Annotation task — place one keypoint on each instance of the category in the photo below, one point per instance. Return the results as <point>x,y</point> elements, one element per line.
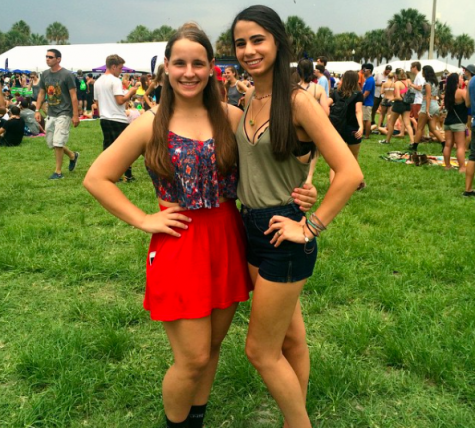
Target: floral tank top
<point>197,182</point>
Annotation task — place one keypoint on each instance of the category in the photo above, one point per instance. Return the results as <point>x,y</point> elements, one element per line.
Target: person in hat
<point>379,80</point>
<point>469,71</point>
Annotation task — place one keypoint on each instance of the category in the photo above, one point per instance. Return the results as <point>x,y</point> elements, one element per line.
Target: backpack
<point>409,97</point>
<point>82,85</point>
<point>338,110</point>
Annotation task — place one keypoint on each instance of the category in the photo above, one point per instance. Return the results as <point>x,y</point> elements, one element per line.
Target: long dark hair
<point>157,156</point>
<point>450,89</point>
<point>282,131</point>
<point>349,83</point>
<point>305,70</point>
<point>429,74</point>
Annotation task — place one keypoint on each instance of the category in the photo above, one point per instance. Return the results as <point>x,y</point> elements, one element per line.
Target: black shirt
<point>14,131</point>
<point>351,119</point>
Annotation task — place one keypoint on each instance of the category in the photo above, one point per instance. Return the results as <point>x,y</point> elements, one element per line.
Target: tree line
<point>20,35</point>
<point>407,34</point>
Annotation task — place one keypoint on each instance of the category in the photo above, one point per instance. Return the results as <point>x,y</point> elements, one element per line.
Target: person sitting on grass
<point>28,115</point>
<point>11,133</point>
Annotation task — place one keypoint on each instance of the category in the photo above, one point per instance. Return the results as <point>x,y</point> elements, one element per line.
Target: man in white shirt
<point>111,101</point>
<point>416,86</point>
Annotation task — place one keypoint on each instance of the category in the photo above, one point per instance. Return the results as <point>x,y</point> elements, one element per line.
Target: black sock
<point>183,424</point>
<point>196,416</point>
<point>414,146</point>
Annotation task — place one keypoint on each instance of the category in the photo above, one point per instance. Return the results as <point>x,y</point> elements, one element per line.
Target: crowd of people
<point>193,126</point>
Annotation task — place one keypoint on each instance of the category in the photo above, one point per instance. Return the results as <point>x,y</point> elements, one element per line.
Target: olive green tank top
<point>264,181</point>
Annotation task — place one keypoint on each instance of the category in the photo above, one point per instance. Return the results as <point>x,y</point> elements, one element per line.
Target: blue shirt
<point>323,81</point>
<point>369,85</point>
<point>471,90</point>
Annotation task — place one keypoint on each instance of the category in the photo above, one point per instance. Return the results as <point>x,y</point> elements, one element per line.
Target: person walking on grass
<point>58,84</point>
<point>429,109</point>
<point>196,263</point>
<point>112,102</point>
<point>455,102</point>
<point>277,135</point>
<point>399,108</point>
<point>470,171</point>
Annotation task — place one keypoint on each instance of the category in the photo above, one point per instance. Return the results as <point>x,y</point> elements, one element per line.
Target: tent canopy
<point>103,69</point>
<point>338,67</point>
<point>137,56</point>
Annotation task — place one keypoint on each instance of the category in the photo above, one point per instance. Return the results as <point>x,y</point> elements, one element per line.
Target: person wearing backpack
<point>346,114</point>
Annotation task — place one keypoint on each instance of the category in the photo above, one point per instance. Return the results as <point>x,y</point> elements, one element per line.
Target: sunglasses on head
<point>50,57</point>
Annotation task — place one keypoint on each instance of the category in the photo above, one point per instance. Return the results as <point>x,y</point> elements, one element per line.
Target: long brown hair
<point>282,131</point>
<point>157,156</point>
<point>349,83</point>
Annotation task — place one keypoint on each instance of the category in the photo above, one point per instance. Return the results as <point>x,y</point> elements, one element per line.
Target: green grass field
<point>390,309</point>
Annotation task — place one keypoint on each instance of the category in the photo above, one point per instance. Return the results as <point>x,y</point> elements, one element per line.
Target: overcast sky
<point>106,21</point>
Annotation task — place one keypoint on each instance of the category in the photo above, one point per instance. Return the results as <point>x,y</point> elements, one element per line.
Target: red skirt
<point>204,269</point>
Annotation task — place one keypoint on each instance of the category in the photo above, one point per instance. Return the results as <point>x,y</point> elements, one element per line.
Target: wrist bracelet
<point>319,221</point>
<point>306,238</point>
<point>317,234</point>
<point>315,226</point>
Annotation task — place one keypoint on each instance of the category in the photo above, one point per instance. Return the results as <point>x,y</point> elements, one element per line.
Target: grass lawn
<point>390,309</point>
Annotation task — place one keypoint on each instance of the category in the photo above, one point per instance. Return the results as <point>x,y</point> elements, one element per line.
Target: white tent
<point>438,66</point>
<point>137,56</point>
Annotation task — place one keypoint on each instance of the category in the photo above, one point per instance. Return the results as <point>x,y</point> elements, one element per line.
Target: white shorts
<point>57,131</point>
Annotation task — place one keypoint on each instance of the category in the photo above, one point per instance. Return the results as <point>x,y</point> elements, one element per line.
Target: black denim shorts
<point>289,262</point>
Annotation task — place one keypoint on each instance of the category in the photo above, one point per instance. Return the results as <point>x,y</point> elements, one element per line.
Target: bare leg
<point>434,130</point>
<point>220,322</point>
<point>449,142</point>
<point>460,141</point>
<point>407,122</point>
<point>391,122</point>
<point>58,154</point>
<point>273,307</point>
<point>295,350</point>
<point>190,341</point>
<point>469,173</point>
<point>421,123</point>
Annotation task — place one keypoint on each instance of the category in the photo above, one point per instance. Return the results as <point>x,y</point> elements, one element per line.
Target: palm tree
<point>375,46</point>
<point>224,44</point>
<point>408,32</point>
<point>57,33</point>
<point>38,39</point>
<point>443,39</point>
<point>139,34</point>
<point>162,34</point>
<point>322,43</point>
<point>15,38</point>
<point>22,27</point>
<point>463,47</point>
<point>345,43</point>
<point>300,34</point>
<point>2,43</point>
